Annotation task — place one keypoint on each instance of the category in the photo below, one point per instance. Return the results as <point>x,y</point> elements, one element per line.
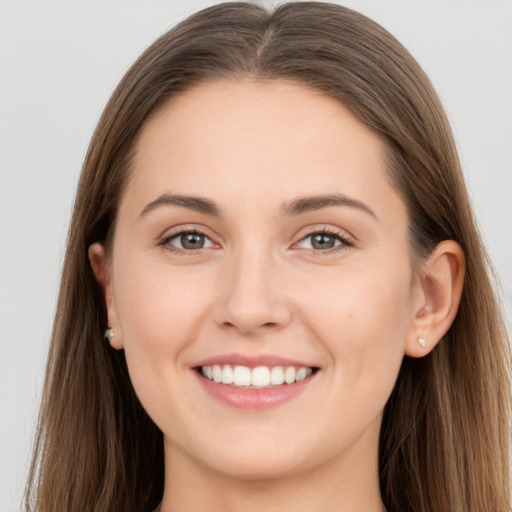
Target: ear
<point>102,272</point>
<point>437,294</point>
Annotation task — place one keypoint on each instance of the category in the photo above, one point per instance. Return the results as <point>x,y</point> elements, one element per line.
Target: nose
<point>252,294</point>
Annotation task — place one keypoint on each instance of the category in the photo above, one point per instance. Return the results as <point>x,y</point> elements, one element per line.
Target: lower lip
<point>254,399</point>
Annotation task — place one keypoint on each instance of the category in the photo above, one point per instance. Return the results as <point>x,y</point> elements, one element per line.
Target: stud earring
<point>422,342</point>
<point>109,334</point>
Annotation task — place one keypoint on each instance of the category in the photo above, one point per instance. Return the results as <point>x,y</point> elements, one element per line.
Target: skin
<point>258,286</point>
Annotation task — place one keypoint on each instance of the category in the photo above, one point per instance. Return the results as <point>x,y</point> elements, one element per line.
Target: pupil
<point>323,241</point>
<point>192,241</point>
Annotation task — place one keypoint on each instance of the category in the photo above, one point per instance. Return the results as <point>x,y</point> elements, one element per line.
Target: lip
<point>253,399</point>
<point>252,361</point>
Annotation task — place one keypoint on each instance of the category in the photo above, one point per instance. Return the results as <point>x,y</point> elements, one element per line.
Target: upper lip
<point>251,361</point>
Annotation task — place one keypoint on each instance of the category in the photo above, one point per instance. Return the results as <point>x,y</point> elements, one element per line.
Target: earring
<point>422,342</point>
<point>109,334</point>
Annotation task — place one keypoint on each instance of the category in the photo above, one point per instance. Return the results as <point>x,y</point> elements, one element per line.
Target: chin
<point>262,469</point>
<point>261,460</point>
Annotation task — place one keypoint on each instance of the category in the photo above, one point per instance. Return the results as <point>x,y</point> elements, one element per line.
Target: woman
<point>273,233</point>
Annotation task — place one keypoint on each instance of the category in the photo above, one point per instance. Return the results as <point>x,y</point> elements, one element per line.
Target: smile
<point>254,383</point>
<point>259,377</point>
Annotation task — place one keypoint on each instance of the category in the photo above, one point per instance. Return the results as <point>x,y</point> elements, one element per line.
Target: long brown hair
<point>444,442</point>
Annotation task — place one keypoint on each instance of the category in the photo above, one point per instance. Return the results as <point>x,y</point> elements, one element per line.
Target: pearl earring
<point>109,334</point>
<point>422,342</point>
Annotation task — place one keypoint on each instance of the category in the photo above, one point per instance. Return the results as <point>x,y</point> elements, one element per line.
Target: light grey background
<point>59,62</point>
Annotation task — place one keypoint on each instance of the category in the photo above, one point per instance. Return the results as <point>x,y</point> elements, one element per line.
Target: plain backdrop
<point>60,61</point>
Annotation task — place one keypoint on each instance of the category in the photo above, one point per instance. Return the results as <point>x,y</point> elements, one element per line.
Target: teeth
<point>259,377</point>
<point>276,376</point>
<point>227,374</point>
<point>289,375</point>
<point>217,373</point>
<point>242,376</point>
<point>302,373</point>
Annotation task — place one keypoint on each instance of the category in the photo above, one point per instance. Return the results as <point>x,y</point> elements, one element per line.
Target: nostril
<point>245,328</point>
<point>251,313</point>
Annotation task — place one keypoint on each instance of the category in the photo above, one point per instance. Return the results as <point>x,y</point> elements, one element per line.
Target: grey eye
<point>192,241</point>
<point>188,241</point>
<point>323,241</point>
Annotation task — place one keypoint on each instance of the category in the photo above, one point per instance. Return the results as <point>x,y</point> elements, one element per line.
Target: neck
<point>346,483</point>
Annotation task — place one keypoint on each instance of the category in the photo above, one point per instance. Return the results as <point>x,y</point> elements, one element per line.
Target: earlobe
<point>101,271</point>
<point>438,292</point>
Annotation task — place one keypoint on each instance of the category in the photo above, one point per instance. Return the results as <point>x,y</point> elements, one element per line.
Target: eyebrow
<point>311,203</point>
<point>197,204</point>
<point>294,208</point>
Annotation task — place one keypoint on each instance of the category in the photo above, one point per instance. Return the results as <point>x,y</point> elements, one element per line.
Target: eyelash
<point>344,244</point>
<point>165,242</point>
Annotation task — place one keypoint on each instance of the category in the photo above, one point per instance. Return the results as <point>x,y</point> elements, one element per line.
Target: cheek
<point>155,298</point>
<point>160,312</point>
<point>361,317</point>
<point>364,295</point>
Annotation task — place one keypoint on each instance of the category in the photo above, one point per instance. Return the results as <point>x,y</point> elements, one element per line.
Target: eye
<point>323,241</point>
<point>190,240</point>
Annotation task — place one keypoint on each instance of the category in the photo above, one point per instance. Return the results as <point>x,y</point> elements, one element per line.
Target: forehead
<point>278,139</point>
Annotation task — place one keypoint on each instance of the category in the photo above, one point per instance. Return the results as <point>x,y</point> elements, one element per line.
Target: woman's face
<point>259,233</point>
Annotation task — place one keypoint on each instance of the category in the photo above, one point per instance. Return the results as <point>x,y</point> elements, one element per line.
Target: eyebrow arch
<point>311,203</point>
<point>197,204</point>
